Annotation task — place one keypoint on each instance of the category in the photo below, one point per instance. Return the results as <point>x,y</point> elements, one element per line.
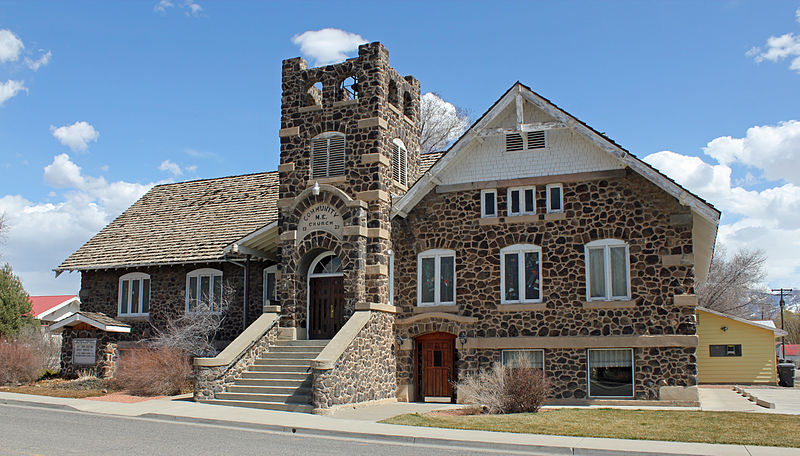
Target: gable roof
<point>99,320</point>
<point>180,223</point>
<point>773,329</point>
<point>43,305</point>
<point>515,94</point>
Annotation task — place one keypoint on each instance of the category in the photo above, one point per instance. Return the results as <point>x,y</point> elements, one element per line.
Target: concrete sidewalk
<point>187,411</point>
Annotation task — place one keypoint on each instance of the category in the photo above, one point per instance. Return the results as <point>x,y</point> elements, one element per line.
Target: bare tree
<point>733,282</point>
<point>791,323</point>
<point>193,333</point>
<point>442,123</point>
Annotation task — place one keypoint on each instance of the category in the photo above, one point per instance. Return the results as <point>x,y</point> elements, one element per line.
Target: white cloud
<point>190,7</point>
<point>10,88</point>
<point>40,62</point>
<point>42,234</point>
<point>328,45</point>
<point>773,148</point>
<point>780,48</point>
<point>797,14</point>
<point>768,218</point>
<point>10,46</point>
<point>170,167</point>
<point>76,136</point>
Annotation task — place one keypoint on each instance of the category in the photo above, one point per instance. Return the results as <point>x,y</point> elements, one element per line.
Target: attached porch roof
<point>96,319</point>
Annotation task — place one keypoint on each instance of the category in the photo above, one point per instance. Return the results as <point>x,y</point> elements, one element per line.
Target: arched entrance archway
<point>325,296</point>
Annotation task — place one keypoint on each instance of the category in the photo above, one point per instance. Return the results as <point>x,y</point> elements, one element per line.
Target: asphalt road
<point>29,431</point>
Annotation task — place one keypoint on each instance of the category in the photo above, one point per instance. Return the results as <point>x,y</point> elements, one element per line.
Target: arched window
<point>408,106</point>
<point>393,97</point>
<point>326,264</point>
<point>521,274</point>
<point>204,291</point>
<point>327,155</point>
<point>348,89</point>
<point>314,94</point>
<point>399,162</point>
<point>607,270</point>
<point>134,295</point>
<point>436,278</point>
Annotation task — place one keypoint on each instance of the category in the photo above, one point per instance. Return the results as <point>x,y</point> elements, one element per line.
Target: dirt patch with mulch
<point>121,396</point>
<point>59,387</point>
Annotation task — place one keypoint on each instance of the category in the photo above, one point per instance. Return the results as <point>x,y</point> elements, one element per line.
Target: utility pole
<point>782,303</point>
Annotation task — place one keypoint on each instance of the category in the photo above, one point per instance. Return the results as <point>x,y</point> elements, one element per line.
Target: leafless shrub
<point>154,372</point>
<point>506,389</point>
<point>193,333</point>
<point>733,281</point>
<point>442,123</point>
<point>24,357</point>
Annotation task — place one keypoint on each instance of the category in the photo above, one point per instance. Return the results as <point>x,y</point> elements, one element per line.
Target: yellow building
<point>734,350</point>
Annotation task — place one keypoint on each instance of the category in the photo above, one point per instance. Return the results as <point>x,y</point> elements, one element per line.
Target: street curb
<point>38,404</point>
<point>471,444</point>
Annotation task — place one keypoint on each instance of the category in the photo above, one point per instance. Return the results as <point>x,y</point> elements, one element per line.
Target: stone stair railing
<point>214,375</point>
<point>358,365</point>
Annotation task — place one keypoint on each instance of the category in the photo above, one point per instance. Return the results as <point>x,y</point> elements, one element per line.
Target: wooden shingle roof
<point>182,223</point>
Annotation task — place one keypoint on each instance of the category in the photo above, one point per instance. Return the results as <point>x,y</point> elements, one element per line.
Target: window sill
<point>427,309</point>
<point>524,218</point>
<point>528,306</point>
<point>133,317</point>
<point>609,304</point>
<point>400,186</point>
<point>395,109</point>
<point>327,180</point>
<point>310,108</point>
<point>338,104</point>
<point>489,221</point>
<point>554,216</point>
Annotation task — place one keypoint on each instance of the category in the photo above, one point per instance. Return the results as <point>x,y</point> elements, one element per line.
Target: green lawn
<point>681,426</point>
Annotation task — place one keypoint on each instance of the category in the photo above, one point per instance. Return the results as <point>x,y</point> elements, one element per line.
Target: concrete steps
<point>278,380</point>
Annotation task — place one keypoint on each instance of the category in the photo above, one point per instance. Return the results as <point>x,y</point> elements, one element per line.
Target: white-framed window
<point>134,295</point>
<point>521,200</point>
<point>555,198</point>
<point>204,286</point>
<point>532,358</point>
<point>489,203</point>
<point>271,286</point>
<point>610,372</point>
<point>327,155</point>
<point>520,274</point>
<point>399,162</point>
<point>436,277</point>
<point>391,277</point>
<point>608,271</point>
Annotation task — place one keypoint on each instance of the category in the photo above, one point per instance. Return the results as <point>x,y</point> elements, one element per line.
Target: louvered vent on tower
<point>399,162</point>
<point>327,155</point>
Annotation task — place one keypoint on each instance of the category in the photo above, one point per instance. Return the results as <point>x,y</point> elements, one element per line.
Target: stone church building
<point>365,271</point>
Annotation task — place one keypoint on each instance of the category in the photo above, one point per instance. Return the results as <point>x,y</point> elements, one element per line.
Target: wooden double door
<point>325,307</point>
<point>435,366</point>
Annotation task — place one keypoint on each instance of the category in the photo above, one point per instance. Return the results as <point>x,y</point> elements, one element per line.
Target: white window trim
<point>436,254</point>
<point>519,250</point>
<point>606,244</point>
<point>483,203</point>
<point>589,373</point>
<point>561,195</point>
<point>199,273</point>
<point>503,355</point>
<point>522,210</point>
<point>270,270</point>
<point>402,159</point>
<point>131,276</point>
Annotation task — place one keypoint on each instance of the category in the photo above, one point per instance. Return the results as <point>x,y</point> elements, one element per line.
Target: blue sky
<point>151,91</point>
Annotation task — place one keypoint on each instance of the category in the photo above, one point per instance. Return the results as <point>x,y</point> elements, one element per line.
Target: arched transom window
<point>204,291</point>
<point>134,295</point>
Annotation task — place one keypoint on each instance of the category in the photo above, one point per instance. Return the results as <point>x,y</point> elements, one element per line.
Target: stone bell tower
<point>349,143</point>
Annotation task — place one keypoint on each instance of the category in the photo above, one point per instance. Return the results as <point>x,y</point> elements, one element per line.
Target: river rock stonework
<point>628,208</point>
<point>106,353</point>
<point>364,372</point>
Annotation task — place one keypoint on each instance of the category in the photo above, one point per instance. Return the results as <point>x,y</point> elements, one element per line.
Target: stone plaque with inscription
<point>320,217</point>
<point>84,351</point>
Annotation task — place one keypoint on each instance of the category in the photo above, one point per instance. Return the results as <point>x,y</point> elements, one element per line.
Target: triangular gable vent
<point>536,140</point>
<point>513,142</point>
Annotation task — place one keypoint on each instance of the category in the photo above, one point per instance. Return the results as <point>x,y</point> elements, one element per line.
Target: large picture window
<point>204,290</point>
<point>436,277</point>
<point>607,270</point>
<point>523,358</point>
<point>327,155</point>
<point>134,295</point>
<point>521,274</point>
<point>611,373</point>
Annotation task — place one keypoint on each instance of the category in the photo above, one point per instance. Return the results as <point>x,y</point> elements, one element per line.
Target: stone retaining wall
<point>366,371</point>
<point>210,380</point>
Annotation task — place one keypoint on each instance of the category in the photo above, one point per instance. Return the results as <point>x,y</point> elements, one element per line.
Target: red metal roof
<point>791,349</point>
<point>41,304</point>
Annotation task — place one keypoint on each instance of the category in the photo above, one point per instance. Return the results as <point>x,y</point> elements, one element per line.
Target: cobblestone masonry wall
<point>100,291</point>
<point>211,380</point>
<point>630,209</point>
<point>365,371</point>
<point>106,355</point>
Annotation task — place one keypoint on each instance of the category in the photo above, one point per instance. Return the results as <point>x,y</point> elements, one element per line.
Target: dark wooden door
<point>436,365</point>
<point>326,307</point>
